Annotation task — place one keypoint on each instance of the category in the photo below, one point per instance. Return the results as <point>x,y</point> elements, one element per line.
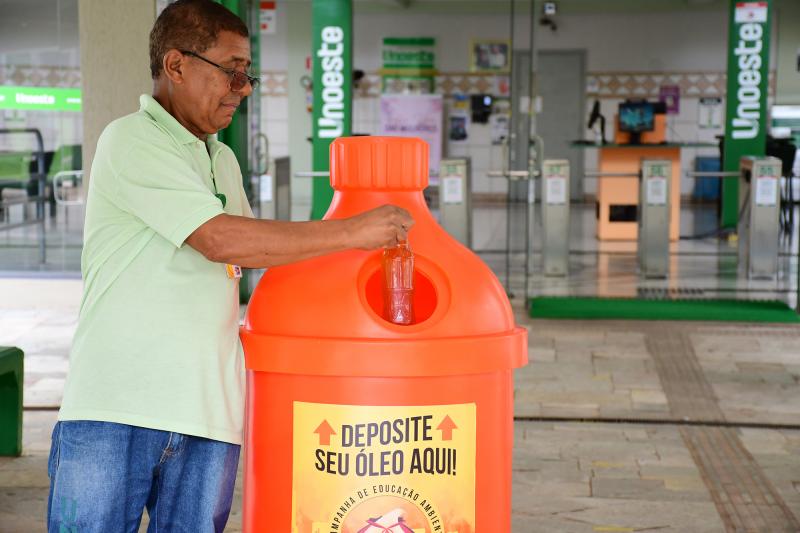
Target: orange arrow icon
<point>447,426</point>
<point>324,431</point>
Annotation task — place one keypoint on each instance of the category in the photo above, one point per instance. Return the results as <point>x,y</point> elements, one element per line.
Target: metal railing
<point>314,174</point>
<point>688,174</point>
<point>39,198</point>
<point>711,174</point>
<point>530,175</point>
<point>592,175</point>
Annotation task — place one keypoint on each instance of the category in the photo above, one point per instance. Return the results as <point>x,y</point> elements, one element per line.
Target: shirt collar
<point>149,105</point>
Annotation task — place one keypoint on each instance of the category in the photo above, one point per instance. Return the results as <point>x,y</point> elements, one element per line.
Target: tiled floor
<point>620,426</point>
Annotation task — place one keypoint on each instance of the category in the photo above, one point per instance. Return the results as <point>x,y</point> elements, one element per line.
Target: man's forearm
<point>257,243</point>
<point>273,260</point>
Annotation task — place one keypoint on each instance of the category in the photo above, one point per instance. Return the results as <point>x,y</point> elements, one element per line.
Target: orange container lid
<point>322,316</point>
<point>379,164</point>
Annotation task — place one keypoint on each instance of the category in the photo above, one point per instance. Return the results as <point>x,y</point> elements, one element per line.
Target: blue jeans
<point>103,475</point>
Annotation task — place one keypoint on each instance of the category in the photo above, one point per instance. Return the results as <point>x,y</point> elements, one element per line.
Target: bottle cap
<point>379,163</point>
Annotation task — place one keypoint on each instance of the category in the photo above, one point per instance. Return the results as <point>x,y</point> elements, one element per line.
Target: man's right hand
<point>253,243</point>
<point>380,227</point>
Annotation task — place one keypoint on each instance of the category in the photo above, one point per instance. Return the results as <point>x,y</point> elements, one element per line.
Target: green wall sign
<point>409,61</point>
<point>40,98</point>
<point>415,53</point>
<point>748,76</point>
<point>332,52</point>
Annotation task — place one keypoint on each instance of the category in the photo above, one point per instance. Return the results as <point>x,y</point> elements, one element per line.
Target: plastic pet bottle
<point>398,284</point>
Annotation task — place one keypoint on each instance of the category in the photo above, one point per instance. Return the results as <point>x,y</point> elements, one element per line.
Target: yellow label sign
<point>379,469</point>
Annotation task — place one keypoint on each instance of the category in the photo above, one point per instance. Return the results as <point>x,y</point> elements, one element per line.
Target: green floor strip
<point>634,309</point>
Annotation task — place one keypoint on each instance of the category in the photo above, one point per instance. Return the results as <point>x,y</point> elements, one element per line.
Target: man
<point>153,406</point>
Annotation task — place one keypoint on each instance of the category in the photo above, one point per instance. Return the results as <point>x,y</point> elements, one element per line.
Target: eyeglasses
<point>236,78</point>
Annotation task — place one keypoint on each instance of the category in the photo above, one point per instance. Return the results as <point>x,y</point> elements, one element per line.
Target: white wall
<point>672,41</point>
<point>274,46</point>
<point>639,41</point>
<point>665,42</point>
<point>275,104</point>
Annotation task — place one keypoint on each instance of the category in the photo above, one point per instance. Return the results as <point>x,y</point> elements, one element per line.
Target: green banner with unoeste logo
<point>748,82</point>
<point>332,113</point>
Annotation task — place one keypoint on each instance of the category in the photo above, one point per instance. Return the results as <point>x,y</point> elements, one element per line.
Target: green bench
<point>10,401</point>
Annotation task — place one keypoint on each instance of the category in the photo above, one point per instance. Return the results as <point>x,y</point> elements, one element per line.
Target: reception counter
<point>618,197</point>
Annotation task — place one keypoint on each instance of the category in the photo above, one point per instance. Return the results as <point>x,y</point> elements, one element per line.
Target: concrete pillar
<point>299,47</point>
<point>115,63</point>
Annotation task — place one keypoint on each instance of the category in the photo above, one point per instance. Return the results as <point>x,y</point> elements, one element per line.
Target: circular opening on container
<point>425,297</point>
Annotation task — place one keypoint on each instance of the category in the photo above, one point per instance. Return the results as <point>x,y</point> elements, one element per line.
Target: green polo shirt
<point>157,343</point>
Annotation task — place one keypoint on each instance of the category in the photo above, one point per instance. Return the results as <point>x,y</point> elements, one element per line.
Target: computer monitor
<point>635,118</point>
<point>481,105</point>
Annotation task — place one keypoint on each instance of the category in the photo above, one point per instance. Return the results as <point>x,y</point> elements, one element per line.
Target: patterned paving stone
<point>567,476</point>
<point>633,487</point>
<point>745,498</point>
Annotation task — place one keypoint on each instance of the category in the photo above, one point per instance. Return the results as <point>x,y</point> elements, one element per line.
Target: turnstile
<point>274,191</point>
<point>455,198</point>
<point>654,218</point>
<point>759,210</point>
<point>555,216</point>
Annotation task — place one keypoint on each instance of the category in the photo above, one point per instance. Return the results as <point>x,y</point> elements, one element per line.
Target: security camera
<point>549,11</point>
<point>545,21</point>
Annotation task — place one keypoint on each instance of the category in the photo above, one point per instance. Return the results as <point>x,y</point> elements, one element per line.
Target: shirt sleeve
<point>158,186</point>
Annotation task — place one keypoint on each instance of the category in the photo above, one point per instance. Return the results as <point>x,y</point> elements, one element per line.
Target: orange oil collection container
<point>358,425</point>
